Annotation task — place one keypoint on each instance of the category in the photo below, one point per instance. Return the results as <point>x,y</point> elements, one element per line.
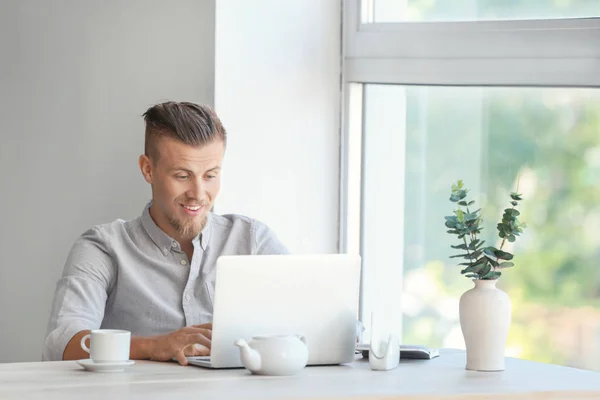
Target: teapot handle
<point>302,338</point>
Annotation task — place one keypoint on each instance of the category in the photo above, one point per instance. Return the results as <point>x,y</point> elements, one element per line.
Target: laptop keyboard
<point>199,358</point>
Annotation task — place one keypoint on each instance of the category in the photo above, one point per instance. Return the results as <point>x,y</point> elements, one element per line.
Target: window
<point>474,10</point>
<point>420,115</point>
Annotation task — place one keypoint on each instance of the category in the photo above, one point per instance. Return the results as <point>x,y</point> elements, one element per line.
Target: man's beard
<point>187,229</point>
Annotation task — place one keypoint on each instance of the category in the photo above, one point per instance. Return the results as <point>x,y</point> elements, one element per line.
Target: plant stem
<point>471,234</point>
<point>513,207</point>
<point>465,240</point>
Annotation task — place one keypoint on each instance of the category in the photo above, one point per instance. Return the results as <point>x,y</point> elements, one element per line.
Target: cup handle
<point>302,338</point>
<point>83,346</point>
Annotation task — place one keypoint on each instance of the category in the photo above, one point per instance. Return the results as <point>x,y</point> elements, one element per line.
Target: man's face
<point>185,182</point>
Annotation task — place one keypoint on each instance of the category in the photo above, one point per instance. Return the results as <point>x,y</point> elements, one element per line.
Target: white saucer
<point>105,367</point>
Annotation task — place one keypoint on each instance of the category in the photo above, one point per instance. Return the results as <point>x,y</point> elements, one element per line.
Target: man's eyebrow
<point>189,171</point>
<point>181,169</point>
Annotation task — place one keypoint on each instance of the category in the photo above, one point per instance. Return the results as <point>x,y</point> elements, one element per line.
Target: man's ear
<point>146,167</point>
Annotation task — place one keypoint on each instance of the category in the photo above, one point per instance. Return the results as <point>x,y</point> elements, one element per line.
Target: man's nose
<point>196,190</point>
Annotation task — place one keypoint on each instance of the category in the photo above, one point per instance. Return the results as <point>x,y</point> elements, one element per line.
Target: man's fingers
<point>200,350</point>
<point>189,350</point>
<point>203,331</point>
<point>205,326</point>
<point>207,333</point>
<point>198,338</point>
<point>200,331</point>
<point>194,350</point>
<point>180,357</point>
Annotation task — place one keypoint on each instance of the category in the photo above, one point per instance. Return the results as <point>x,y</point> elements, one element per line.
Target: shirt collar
<point>205,234</point>
<point>164,241</point>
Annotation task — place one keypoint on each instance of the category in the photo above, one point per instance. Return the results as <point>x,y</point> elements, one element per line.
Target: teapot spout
<point>250,357</point>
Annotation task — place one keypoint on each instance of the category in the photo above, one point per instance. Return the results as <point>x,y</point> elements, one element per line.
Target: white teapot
<point>274,355</point>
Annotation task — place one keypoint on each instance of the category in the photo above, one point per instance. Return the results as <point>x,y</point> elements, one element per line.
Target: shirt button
<point>174,245</point>
<point>187,297</point>
<point>166,251</point>
<point>183,262</point>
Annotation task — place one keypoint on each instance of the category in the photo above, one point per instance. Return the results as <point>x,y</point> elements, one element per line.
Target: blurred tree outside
<point>550,139</point>
<point>488,137</point>
<point>454,10</point>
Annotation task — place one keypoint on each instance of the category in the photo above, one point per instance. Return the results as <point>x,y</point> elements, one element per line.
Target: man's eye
<point>181,177</point>
<point>211,176</point>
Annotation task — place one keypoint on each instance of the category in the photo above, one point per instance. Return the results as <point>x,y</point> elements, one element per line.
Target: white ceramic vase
<point>485,314</point>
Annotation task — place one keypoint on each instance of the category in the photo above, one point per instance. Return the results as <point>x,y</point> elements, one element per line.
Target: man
<point>154,275</point>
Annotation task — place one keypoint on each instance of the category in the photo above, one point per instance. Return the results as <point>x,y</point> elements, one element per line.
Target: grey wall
<point>74,78</point>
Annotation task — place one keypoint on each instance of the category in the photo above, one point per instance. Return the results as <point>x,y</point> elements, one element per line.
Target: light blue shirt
<point>131,275</point>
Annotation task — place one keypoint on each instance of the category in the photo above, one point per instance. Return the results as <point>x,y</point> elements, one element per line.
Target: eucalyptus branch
<point>481,262</point>
<point>514,204</point>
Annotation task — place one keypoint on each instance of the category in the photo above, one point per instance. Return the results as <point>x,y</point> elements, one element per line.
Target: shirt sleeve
<point>266,242</point>
<point>81,293</point>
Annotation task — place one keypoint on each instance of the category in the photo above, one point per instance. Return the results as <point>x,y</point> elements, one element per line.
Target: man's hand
<point>189,341</point>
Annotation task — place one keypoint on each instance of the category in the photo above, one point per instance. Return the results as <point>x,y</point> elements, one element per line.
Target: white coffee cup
<point>108,345</point>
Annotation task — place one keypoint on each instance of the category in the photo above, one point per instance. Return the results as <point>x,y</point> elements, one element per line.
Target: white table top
<point>444,377</point>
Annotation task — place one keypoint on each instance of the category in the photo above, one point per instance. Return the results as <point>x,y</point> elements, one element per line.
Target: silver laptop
<point>312,295</point>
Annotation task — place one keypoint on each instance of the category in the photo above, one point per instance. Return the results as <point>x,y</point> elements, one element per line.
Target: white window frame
<point>553,52</point>
<point>562,52</point>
